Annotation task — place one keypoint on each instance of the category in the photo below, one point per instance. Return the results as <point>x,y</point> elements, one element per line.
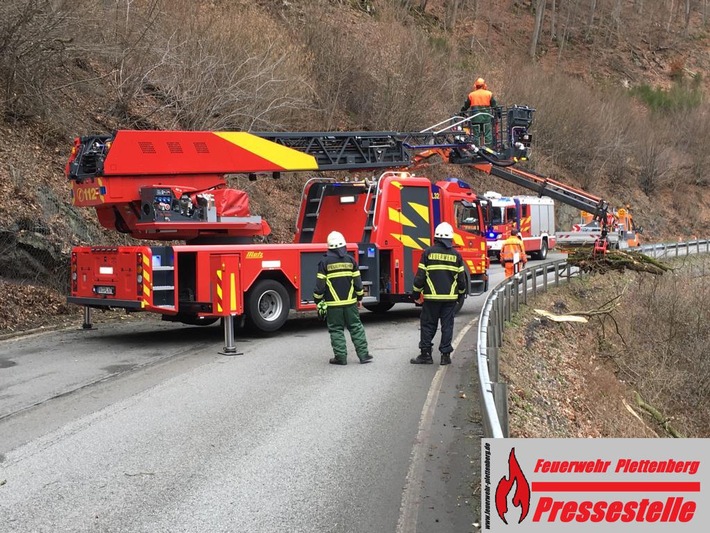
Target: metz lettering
<point>674,509</point>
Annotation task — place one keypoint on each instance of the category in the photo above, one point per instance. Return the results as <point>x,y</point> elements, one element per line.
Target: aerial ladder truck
<point>171,186</point>
<point>600,222</point>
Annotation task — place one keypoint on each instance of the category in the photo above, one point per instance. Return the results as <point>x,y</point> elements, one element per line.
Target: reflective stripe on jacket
<point>512,246</point>
<point>338,280</point>
<point>440,275</point>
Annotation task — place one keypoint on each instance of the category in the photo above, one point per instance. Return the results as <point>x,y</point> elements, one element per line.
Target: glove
<point>322,308</point>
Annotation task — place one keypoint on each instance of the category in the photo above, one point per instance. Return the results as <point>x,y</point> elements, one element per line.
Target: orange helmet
<point>480,83</point>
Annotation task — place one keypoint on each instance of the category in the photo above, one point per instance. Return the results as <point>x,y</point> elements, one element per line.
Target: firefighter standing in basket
<point>338,294</point>
<point>441,282</point>
<point>512,254</point>
<point>479,104</point>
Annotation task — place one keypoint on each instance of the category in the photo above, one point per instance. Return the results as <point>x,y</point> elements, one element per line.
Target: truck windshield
<point>497,216</point>
<point>467,217</point>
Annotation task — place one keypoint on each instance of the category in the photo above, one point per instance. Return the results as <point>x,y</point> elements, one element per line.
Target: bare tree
<point>553,21</point>
<point>539,14</point>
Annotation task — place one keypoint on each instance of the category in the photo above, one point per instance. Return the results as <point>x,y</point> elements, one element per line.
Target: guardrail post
<point>516,294</point>
<point>506,302</point>
<point>534,282</point>
<point>544,278</point>
<point>493,367</point>
<point>557,275</point>
<point>687,248</point>
<point>500,397</point>
<point>697,243</point>
<point>500,315</point>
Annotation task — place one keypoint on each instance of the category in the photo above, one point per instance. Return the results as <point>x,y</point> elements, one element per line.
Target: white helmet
<point>335,240</point>
<point>444,231</point>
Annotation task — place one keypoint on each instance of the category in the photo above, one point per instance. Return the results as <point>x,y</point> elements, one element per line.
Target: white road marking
<point>409,508</point>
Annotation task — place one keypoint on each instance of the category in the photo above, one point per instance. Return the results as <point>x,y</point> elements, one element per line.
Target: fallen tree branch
<point>585,259</point>
<point>658,417</point>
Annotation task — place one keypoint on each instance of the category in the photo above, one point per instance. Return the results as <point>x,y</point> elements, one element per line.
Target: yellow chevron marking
<point>286,158</point>
<point>483,246</point>
<point>397,184</point>
<point>397,216</point>
<point>457,239</point>
<point>146,261</point>
<point>406,240</point>
<point>422,210</point>
<point>425,240</point>
<point>146,276</point>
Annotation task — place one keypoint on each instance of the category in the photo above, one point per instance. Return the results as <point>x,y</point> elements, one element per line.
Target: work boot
<point>445,358</point>
<point>423,358</point>
<point>336,361</point>
<point>366,359</point>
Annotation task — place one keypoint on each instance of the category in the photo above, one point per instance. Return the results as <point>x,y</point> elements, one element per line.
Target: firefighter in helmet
<point>512,254</point>
<point>479,104</point>
<point>441,281</point>
<point>339,286</point>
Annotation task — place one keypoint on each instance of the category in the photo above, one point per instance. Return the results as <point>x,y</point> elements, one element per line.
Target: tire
<point>542,253</point>
<point>267,306</point>
<point>379,307</point>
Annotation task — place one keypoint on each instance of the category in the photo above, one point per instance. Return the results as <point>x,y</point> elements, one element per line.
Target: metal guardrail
<point>505,299</point>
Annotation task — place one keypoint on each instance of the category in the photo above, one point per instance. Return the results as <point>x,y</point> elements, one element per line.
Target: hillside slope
<point>347,65</point>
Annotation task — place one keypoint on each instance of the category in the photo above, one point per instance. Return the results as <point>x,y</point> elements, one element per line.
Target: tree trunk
<point>452,13</point>
<point>539,13</point>
<point>553,20</point>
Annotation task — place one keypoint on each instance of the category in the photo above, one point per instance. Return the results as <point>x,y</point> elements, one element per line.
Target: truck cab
<point>532,216</point>
<point>392,221</point>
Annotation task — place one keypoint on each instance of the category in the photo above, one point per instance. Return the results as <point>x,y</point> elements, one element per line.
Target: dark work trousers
<point>347,317</point>
<point>432,313</point>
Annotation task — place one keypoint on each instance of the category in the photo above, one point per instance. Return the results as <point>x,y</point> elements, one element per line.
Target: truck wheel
<point>268,305</point>
<point>379,307</point>
<point>542,254</point>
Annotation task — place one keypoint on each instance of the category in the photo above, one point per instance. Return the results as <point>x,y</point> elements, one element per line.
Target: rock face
<point>30,256</point>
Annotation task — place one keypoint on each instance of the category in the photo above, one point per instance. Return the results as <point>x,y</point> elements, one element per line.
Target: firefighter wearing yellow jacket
<point>512,254</point>
<point>440,279</point>
<point>339,285</point>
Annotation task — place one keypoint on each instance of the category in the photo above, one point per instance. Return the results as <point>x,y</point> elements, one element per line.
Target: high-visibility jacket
<point>338,280</point>
<point>480,100</point>
<point>440,275</point>
<point>513,247</point>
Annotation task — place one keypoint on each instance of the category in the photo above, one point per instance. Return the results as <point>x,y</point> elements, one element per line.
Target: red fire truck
<point>533,216</point>
<point>169,186</point>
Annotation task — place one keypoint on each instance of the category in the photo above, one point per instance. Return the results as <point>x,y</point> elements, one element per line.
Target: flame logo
<point>521,496</point>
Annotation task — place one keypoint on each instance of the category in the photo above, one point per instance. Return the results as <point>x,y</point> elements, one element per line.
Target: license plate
<point>105,289</point>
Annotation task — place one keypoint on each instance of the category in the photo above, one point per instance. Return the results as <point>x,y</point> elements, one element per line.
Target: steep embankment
<point>640,368</point>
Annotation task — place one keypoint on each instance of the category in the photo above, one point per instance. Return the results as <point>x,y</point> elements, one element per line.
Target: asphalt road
<point>143,426</point>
